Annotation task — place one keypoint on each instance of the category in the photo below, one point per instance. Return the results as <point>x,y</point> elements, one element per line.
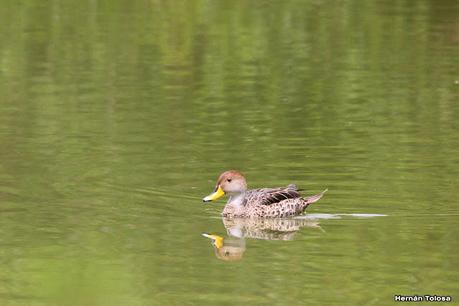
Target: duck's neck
<point>237,199</point>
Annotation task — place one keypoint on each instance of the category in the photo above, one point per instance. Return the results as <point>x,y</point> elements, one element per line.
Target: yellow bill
<point>216,240</point>
<point>215,196</point>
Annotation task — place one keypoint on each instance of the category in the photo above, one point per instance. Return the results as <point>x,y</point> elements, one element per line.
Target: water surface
<point>116,117</point>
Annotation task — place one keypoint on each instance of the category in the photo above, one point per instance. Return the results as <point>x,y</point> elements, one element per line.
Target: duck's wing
<point>267,196</point>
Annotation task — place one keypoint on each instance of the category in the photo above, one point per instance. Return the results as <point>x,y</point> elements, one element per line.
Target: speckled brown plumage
<point>271,203</point>
<point>267,228</point>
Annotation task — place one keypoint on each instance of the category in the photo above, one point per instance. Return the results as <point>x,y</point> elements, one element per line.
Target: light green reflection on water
<point>117,117</point>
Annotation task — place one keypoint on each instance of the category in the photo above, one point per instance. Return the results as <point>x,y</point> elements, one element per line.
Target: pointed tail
<point>314,198</point>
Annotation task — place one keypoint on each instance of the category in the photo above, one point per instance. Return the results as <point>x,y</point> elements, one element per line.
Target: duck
<point>280,202</point>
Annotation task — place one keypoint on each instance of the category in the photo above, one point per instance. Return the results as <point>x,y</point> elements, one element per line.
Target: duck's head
<point>227,249</point>
<point>230,182</point>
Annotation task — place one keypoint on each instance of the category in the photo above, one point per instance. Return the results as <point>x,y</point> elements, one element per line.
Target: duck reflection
<point>233,246</point>
<point>227,248</point>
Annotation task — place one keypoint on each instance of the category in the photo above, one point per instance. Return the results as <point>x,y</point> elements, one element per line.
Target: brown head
<point>230,182</point>
<point>227,249</point>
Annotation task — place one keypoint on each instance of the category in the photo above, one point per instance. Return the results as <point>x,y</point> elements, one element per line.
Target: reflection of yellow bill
<point>215,196</point>
<point>216,240</point>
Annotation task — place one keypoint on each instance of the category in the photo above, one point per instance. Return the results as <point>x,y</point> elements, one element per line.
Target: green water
<point>116,118</point>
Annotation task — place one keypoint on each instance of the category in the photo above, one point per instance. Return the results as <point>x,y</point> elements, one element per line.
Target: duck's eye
<point>228,180</point>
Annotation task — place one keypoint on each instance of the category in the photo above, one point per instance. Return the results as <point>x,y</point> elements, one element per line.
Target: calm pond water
<point>116,118</point>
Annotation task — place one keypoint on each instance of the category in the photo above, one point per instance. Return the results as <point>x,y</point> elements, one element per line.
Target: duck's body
<point>261,203</point>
